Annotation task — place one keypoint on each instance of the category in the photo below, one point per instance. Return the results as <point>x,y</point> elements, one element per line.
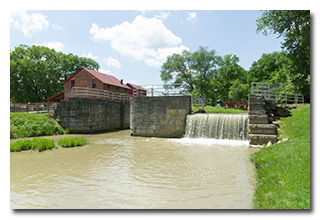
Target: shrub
<point>72,142</point>
<point>30,125</point>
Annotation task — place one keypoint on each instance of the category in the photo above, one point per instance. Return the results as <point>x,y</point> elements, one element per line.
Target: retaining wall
<point>159,116</point>
<point>87,115</point>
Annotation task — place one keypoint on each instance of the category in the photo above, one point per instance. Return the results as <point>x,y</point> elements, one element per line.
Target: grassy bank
<point>214,109</point>
<point>42,144</point>
<point>283,170</point>
<point>72,142</point>
<point>32,125</point>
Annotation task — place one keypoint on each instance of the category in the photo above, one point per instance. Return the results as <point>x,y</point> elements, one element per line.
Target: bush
<point>39,144</point>
<point>31,125</point>
<point>72,142</point>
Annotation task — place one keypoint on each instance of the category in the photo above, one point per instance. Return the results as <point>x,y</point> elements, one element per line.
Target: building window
<point>72,83</point>
<point>107,87</point>
<point>94,85</point>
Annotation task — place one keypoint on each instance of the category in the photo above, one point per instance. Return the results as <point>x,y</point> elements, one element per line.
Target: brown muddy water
<point>117,171</point>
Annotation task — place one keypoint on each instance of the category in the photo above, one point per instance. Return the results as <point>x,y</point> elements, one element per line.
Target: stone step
<point>256,102</point>
<point>262,129</point>
<point>253,97</point>
<point>257,139</point>
<point>257,112</point>
<point>257,106</point>
<point>258,119</point>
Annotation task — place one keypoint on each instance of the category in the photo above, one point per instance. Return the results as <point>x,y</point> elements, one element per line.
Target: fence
<point>38,107</point>
<point>83,92</point>
<point>236,104</point>
<point>264,89</point>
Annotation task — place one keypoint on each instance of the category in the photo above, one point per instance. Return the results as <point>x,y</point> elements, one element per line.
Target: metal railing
<point>37,107</point>
<point>174,89</point>
<point>83,92</point>
<point>264,89</point>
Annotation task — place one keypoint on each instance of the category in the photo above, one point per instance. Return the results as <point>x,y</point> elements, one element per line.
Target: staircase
<point>261,129</point>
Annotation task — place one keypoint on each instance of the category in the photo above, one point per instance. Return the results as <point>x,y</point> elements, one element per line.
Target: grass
<point>283,170</point>
<point>39,144</point>
<point>214,109</point>
<point>72,142</point>
<point>42,144</point>
<point>32,125</point>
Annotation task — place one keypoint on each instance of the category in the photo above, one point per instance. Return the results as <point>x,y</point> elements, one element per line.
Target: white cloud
<point>163,15</point>
<point>89,55</point>
<point>112,62</point>
<point>57,27</point>
<point>192,17</point>
<point>57,46</point>
<point>28,23</point>
<point>145,39</point>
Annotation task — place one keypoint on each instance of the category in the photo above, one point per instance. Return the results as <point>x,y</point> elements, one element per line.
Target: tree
<point>272,67</point>
<point>294,27</point>
<point>37,72</point>
<point>195,70</point>
<point>228,72</point>
<point>238,91</point>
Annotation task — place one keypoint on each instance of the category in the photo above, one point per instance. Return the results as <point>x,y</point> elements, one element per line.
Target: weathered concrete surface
<point>261,129</point>
<point>87,115</point>
<point>159,116</point>
<point>258,139</point>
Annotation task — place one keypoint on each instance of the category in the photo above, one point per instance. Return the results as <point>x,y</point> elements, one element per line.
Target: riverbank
<point>283,170</point>
<point>33,125</point>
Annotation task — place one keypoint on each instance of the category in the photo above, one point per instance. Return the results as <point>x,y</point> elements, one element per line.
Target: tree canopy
<point>38,72</point>
<point>204,73</point>
<point>294,27</point>
<point>222,78</point>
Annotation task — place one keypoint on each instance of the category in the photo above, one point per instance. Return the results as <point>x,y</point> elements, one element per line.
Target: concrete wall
<point>86,115</point>
<point>159,116</point>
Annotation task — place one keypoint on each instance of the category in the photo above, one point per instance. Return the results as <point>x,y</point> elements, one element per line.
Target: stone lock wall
<point>86,115</point>
<point>261,128</point>
<point>163,116</point>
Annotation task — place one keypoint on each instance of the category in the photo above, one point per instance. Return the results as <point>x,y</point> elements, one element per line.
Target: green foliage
<point>204,73</point>
<point>39,144</point>
<point>283,170</point>
<point>294,27</point>
<point>238,91</point>
<point>192,69</point>
<point>215,109</point>
<point>37,72</point>
<point>272,67</point>
<point>72,142</point>
<point>29,125</point>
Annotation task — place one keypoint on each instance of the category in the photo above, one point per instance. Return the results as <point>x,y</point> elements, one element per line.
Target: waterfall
<point>218,126</point>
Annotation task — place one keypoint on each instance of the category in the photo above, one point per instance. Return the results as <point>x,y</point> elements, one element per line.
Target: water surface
<point>117,171</point>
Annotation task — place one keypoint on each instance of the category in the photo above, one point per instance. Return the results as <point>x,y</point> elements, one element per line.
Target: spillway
<point>218,126</point>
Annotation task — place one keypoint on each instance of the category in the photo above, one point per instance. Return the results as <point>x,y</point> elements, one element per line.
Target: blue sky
<point>132,44</point>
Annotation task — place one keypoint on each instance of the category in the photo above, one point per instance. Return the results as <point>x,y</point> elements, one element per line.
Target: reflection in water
<point>117,171</point>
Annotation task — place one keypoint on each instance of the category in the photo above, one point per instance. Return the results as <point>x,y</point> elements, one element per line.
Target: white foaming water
<point>217,126</point>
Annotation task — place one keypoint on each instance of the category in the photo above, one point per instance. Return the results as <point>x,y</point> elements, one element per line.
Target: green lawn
<point>283,170</point>
<point>214,109</point>
<point>31,125</point>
